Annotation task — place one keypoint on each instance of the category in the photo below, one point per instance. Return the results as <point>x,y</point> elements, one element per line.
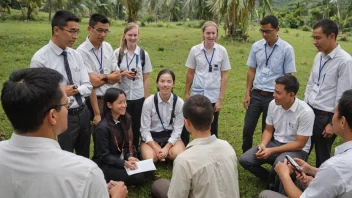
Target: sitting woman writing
<point>162,121</point>
<point>113,140</point>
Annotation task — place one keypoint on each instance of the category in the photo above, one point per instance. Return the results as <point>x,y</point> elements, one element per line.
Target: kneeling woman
<point>162,121</point>
<point>113,140</point>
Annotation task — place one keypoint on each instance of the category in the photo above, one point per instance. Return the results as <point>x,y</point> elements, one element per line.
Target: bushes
<point>306,28</point>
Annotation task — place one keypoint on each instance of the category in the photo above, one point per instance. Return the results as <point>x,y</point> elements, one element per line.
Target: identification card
<point>265,70</point>
<point>316,88</point>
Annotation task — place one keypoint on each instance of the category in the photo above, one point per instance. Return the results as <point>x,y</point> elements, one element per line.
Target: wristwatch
<point>105,79</point>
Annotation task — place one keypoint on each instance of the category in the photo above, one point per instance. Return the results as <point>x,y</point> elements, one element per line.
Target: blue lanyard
<point>128,64</point>
<point>101,59</point>
<point>321,67</point>
<point>266,56</point>
<point>211,59</point>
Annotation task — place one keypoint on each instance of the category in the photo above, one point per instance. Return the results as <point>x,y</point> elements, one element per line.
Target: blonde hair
<point>207,24</point>
<point>123,42</point>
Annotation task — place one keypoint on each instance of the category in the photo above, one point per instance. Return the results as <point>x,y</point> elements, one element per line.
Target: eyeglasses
<point>72,32</point>
<point>265,31</point>
<point>101,31</point>
<point>67,104</point>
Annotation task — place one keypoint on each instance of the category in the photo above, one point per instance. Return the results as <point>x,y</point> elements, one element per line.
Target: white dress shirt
<point>150,120</point>
<point>335,78</point>
<point>35,167</point>
<point>49,56</point>
<point>297,120</point>
<point>206,169</point>
<point>207,83</point>
<point>334,176</point>
<point>134,89</point>
<point>93,58</point>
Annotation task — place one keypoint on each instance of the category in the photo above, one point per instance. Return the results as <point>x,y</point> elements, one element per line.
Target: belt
<point>320,112</point>
<point>75,111</point>
<point>263,93</point>
<point>100,97</point>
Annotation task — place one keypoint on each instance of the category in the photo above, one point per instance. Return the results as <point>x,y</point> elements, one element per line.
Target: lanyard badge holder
<point>211,59</point>
<point>265,69</point>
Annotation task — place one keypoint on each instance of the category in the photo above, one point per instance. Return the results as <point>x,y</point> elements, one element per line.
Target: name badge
<point>265,70</point>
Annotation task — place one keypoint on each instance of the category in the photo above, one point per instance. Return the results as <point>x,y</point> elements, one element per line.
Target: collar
<point>136,51</point>
<point>33,142</point>
<point>170,101</point>
<point>202,46</point>
<point>294,106</point>
<point>57,49</point>
<point>333,53</point>
<point>278,42</point>
<point>90,45</point>
<point>116,121</point>
<point>343,147</point>
<point>201,141</point>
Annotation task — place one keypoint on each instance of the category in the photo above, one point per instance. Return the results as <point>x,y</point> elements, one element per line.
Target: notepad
<point>143,166</point>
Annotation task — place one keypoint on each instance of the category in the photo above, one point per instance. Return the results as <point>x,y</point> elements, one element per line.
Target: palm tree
<point>133,7</point>
<point>235,14</point>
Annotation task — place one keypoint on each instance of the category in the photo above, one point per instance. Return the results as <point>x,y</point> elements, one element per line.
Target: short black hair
<point>199,111</point>
<point>290,82</point>
<point>61,18</point>
<point>328,26</point>
<point>28,95</point>
<point>345,107</point>
<point>270,19</point>
<point>96,18</point>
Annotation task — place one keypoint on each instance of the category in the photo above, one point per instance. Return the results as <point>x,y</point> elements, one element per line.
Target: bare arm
<point>114,77</point>
<point>189,80</point>
<point>94,103</point>
<point>222,91</point>
<point>250,77</point>
<point>146,84</point>
<point>96,79</point>
<point>292,146</point>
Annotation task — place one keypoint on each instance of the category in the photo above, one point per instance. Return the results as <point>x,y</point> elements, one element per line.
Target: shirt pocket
<point>76,74</point>
<point>329,80</point>
<point>277,64</point>
<point>292,128</point>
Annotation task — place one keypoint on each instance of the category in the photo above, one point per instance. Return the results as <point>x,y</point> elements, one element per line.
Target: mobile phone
<point>294,164</point>
<point>259,150</point>
<point>135,73</point>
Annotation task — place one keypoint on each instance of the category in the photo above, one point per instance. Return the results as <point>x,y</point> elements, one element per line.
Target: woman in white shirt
<point>208,64</point>
<point>135,67</point>
<point>162,121</point>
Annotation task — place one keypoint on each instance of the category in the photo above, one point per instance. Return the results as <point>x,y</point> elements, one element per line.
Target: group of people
<point>69,93</point>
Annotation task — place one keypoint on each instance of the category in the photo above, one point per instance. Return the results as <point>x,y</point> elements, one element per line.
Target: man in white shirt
<point>208,166</point>
<point>333,178</point>
<point>100,62</point>
<point>289,125</point>
<point>32,163</point>
<point>329,78</point>
<point>59,55</point>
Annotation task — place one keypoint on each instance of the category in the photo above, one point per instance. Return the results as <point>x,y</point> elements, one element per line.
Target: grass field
<point>168,47</point>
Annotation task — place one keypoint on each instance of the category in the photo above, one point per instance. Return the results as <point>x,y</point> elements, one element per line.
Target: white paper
<point>143,166</point>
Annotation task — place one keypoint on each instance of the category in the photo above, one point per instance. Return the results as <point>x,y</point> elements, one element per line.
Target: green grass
<point>20,40</point>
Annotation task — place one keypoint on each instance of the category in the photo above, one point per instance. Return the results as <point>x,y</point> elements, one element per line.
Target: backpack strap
<point>172,112</point>
<point>142,54</point>
<point>119,60</point>
<point>173,109</point>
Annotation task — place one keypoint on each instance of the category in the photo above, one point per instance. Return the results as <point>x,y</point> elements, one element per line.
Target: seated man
<point>32,163</point>
<point>288,130</point>
<point>208,166</point>
<point>334,176</point>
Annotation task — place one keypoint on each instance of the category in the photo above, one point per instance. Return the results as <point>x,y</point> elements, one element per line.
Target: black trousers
<point>77,135</point>
<point>120,174</point>
<point>259,104</point>
<point>322,145</point>
<point>134,108</point>
<point>214,125</point>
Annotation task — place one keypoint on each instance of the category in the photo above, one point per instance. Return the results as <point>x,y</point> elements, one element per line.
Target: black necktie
<point>69,76</point>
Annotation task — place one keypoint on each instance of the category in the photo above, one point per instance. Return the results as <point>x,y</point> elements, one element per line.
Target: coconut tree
<point>133,7</point>
<point>235,14</point>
